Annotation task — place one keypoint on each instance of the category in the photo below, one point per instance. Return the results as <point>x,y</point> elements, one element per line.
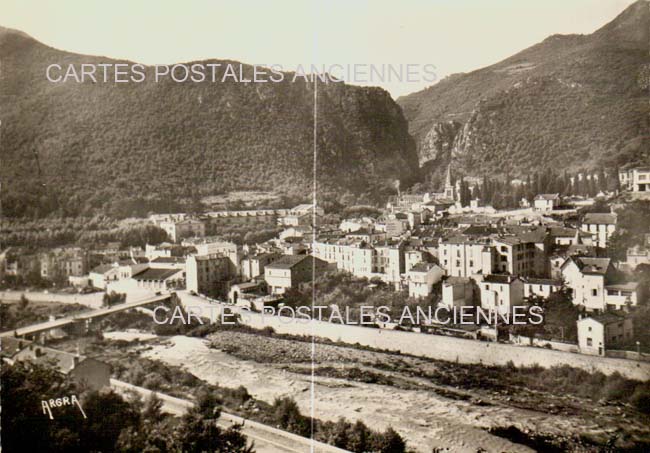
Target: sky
<point>452,35</point>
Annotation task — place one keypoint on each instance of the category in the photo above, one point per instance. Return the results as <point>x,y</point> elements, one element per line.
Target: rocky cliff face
<point>570,102</point>
<point>438,143</point>
<point>82,147</point>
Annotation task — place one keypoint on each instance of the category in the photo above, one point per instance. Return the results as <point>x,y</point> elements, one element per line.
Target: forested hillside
<point>571,102</point>
<point>86,148</point>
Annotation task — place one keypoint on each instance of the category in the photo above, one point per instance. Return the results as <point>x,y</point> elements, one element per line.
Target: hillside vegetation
<point>575,102</point>
<point>85,148</point>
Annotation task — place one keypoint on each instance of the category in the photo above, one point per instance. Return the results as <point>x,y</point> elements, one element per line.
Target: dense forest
<point>129,148</point>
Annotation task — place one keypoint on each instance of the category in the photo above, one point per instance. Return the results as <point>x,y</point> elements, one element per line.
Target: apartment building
<point>179,229</point>
<point>501,292</point>
<point>601,226</point>
<point>461,256</point>
<point>592,285</point>
<point>383,259</point>
<point>422,277</point>
<point>635,179</point>
<point>292,271</point>
<point>209,274</point>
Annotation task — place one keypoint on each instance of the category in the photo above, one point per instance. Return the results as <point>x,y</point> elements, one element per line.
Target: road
<point>267,439</point>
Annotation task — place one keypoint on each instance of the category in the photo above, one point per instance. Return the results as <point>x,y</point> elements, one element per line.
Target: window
<point>594,292</point>
<point>589,342</point>
<point>487,287</point>
<point>589,329</point>
<point>471,263</point>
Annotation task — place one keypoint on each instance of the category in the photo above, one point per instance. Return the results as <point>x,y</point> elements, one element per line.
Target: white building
<point>590,283</point>
<point>598,332</point>
<point>547,201</point>
<point>501,292</point>
<point>601,226</point>
<point>159,279</point>
<point>422,277</point>
<point>460,256</point>
<point>457,292</point>
<point>291,271</point>
<point>635,179</point>
<point>177,230</point>
<point>541,287</point>
<point>103,274</point>
<point>384,259</point>
<point>253,266</point>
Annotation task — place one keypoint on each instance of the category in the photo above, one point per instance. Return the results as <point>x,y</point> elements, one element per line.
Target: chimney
<point>75,361</point>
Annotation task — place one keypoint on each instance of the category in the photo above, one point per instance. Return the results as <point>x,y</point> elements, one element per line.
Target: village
<point>424,245</point>
<point>423,250</point>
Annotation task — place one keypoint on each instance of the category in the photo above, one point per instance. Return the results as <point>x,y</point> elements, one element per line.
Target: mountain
<point>105,147</point>
<point>574,102</point>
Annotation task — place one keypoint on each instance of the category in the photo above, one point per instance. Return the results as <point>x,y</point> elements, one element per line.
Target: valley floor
<point>392,390</point>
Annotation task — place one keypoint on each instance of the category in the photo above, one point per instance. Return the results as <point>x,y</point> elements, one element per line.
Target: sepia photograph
<point>320,226</point>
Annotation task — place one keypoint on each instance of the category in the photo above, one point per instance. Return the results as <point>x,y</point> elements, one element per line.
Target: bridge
<point>85,317</point>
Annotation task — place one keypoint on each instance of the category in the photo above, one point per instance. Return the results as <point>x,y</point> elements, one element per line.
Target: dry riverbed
<point>432,404</point>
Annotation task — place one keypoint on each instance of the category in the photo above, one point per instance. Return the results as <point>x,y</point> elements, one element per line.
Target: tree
<point>359,437</point>
<point>23,303</point>
<point>287,416</point>
<point>388,442</point>
<point>112,424</point>
<point>465,194</point>
<point>113,299</point>
<point>108,414</point>
<point>198,431</point>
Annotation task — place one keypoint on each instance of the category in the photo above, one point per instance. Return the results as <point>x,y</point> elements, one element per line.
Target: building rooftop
<point>599,218</point>
<point>543,281</point>
<point>288,261</point>
<point>457,280</point>
<point>63,361</point>
<point>547,196</point>
<point>10,346</point>
<point>589,265</point>
<point>562,232</point>
<point>479,230</point>
<point>499,279</point>
<point>102,269</point>
<point>168,259</point>
<point>629,286</point>
<point>605,318</point>
<point>423,267</point>
<point>155,274</point>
